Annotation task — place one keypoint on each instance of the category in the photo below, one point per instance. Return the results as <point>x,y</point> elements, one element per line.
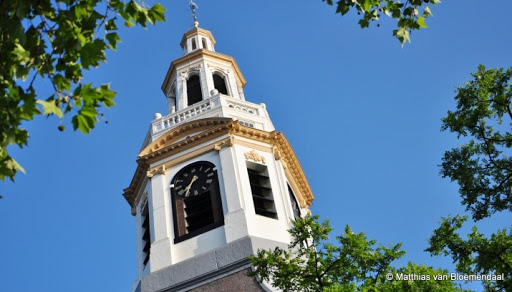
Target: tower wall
<point>215,182</point>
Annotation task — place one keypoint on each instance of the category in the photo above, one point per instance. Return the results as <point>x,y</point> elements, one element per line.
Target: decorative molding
<point>171,144</point>
<point>196,31</point>
<point>225,143</point>
<point>253,155</point>
<point>192,155</point>
<point>207,127</point>
<point>155,170</point>
<point>200,55</point>
<point>275,151</point>
<point>251,144</point>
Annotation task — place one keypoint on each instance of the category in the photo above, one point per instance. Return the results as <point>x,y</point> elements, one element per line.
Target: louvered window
<point>262,193</point>
<point>146,238</point>
<point>198,212</point>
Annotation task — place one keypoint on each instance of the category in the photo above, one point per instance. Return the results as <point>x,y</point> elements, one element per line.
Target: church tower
<point>215,181</point>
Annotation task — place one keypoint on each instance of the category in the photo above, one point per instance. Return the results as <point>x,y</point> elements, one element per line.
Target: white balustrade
<point>204,106</point>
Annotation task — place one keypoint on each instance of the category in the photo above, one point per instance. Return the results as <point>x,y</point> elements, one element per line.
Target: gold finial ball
<point>196,23</point>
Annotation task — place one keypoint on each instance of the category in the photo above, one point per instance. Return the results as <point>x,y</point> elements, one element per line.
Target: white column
<point>161,236</point>
<point>204,80</point>
<point>233,87</point>
<point>181,94</point>
<point>235,218</point>
<point>209,79</point>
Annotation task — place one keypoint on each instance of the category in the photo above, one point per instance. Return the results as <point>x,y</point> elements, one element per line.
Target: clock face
<point>195,179</point>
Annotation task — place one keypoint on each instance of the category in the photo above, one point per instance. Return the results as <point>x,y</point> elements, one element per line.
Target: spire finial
<point>193,7</point>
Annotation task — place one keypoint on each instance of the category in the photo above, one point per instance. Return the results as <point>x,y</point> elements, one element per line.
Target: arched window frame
<point>205,43</point>
<point>193,44</point>
<point>172,102</point>
<point>190,101</point>
<point>224,78</point>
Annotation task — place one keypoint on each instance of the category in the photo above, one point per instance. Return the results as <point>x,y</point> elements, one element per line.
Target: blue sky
<point>361,112</point>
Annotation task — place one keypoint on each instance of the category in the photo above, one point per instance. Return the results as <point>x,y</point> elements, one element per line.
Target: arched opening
<point>194,93</point>
<point>204,43</point>
<point>295,204</point>
<point>194,45</point>
<point>220,84</point>
<point>171,99</point>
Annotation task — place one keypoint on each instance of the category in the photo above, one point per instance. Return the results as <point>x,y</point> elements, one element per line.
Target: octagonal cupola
<point>197,39</point>
<point>201,74</point>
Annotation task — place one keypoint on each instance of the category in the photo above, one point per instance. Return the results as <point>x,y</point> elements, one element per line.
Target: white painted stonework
<point>241,223</point>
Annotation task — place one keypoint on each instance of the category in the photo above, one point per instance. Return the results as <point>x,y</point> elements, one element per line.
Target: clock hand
<point>187,189</point>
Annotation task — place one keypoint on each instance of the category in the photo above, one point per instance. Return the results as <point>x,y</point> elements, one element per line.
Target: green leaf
<point>50,107</point>
<point>61,82</point>
<point>402,35</point>
<point>113,39</point>
<point>364,23</point>
<point>128,23</point>
<point>426,11</point>
<point>107,95</point>
<point>15,165</point>
<point>157,12</point>
<point>111,24</point>
<point>421,22</point>
<point>84,121</point>
<point>367,5</point>
<point>342,8</point>
<point>80,11</point>
<point>93,53</point>
<point>22,55</point>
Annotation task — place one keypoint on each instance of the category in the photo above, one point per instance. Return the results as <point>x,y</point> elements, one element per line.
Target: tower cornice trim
<point>211,129</point>
<point>197,31</point>
<point>198,54</point>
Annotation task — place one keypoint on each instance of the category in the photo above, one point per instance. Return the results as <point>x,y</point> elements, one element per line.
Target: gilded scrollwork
<point>253,155</point>
<point>156,170</point>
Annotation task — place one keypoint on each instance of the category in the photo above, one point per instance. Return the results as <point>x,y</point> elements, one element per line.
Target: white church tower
<point>215,181</point>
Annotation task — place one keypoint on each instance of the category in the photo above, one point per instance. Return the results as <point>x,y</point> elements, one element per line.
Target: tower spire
<point>193,7</point>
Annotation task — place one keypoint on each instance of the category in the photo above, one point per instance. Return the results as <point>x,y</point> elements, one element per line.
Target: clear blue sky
<point>362,114</point>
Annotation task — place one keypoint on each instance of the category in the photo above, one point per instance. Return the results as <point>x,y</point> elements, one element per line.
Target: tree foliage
<point>410,15</point>
<point>482,166</point>
<point>483,169</point>
<point>354,263</point>
<point>56,40</point>
<point>477,254</point>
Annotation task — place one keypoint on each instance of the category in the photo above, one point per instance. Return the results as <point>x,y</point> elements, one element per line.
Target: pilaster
<point>233,86</point>
<point>234,219</point>
<point>161,236</point>
<point>180,90</point>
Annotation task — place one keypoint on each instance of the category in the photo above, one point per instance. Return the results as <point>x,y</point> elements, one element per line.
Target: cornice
<point>198,54</point>
<point>170,137</point>
<point>197,31</point>
<point>285,151</point>
<point>211,129</point>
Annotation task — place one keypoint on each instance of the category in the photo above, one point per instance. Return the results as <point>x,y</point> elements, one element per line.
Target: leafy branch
<point>57,41</point>
<point>409,16</point>
<point>354,263</point>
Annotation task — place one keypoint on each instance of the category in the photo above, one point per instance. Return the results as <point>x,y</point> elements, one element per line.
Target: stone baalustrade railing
<point>249,114</point>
